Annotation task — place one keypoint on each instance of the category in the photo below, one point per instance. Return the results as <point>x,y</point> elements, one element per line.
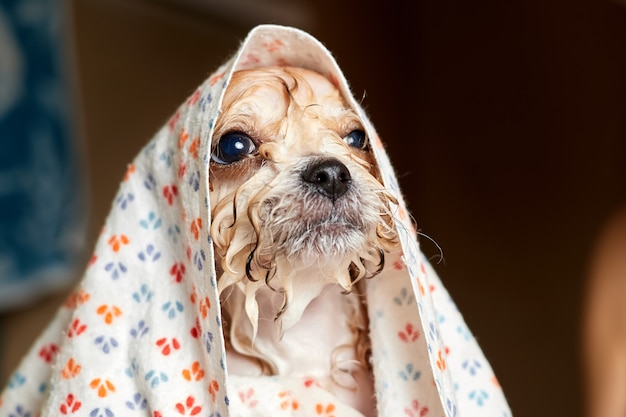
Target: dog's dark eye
<point>233,147</point>
<point>356,139</point>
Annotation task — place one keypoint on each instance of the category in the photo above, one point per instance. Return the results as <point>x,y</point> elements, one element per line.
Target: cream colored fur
<point>291,257</point>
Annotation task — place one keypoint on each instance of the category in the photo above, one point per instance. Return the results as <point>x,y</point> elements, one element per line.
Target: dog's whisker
<point>439,248</point>
<point>416,244</point>
<point>363,97</point>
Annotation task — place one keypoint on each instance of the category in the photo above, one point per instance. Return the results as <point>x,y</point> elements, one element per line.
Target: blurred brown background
<point>505,120</point>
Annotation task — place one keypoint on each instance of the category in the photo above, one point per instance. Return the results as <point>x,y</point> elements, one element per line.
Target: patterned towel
<point>141,335</point>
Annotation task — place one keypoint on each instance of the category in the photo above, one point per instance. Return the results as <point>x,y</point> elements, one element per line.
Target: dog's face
<point>294,193</point>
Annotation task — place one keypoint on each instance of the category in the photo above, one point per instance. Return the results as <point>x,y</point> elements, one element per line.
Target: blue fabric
<point>41,213</point>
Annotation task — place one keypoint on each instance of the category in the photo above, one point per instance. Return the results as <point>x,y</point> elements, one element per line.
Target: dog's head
<point>295,198</point>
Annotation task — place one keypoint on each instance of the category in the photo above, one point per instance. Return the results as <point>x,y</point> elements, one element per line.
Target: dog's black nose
<point>329,176</point>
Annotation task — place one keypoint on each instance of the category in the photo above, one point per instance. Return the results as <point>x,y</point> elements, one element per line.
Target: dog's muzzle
<point>329,176</point>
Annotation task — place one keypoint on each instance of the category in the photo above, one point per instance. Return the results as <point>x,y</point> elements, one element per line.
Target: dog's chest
<point>321,348</point>
<point>323,339</point>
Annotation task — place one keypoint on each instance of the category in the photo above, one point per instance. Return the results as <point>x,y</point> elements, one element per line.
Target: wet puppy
<point>299,219</point>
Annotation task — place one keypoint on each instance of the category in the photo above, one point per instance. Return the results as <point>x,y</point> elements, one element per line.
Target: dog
<point>300,218</point>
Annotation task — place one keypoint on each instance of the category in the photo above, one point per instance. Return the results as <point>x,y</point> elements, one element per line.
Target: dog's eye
<point>233,147</point>
<point>356,139</point>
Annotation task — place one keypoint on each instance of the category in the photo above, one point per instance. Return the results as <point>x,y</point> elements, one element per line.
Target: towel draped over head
<point>141,334</point>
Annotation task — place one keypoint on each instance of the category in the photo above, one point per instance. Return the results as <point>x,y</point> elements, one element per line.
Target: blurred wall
<point>505,122</point>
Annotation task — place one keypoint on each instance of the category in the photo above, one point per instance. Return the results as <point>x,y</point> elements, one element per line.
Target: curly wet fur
<point>272,231</point>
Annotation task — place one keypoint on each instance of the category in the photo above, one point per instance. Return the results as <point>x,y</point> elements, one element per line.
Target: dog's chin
<point>323,243</point>
<point>330,253</point>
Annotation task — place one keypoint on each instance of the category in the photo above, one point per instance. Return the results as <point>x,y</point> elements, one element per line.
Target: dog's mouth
<point>333,229</point>
<point>308,224</point>
<point>325,240</point>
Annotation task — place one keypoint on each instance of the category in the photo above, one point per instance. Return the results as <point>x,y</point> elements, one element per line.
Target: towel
<point>141,335</point>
